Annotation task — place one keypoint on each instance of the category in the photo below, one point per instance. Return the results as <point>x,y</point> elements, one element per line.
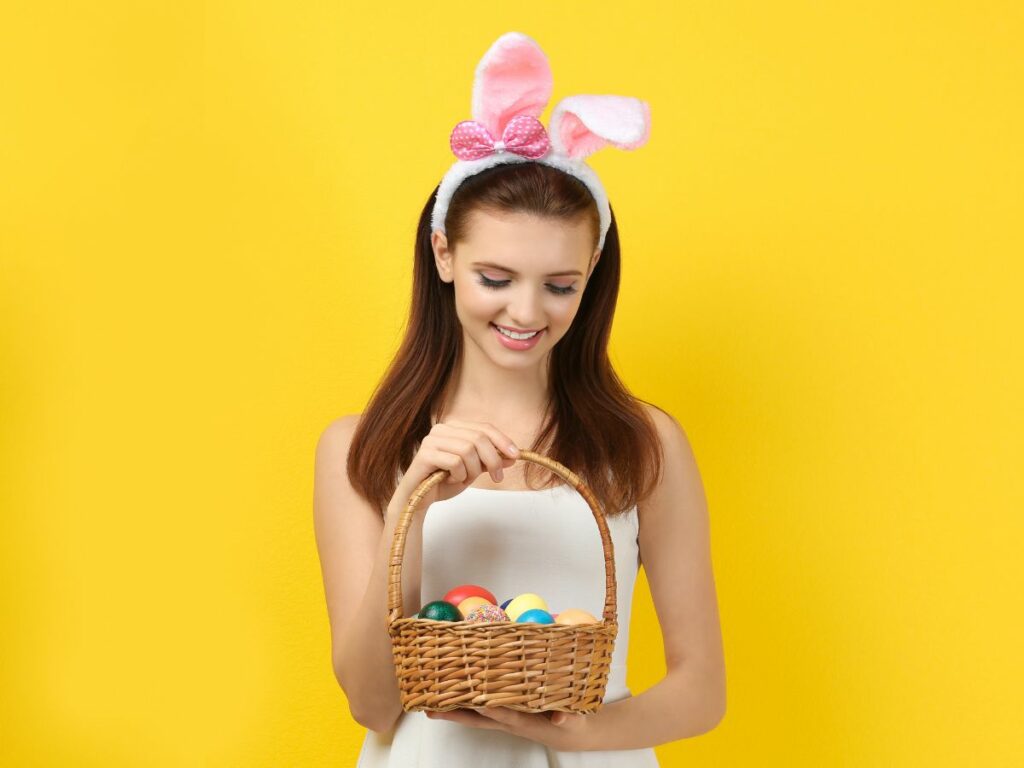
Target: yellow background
<point>206,222</point>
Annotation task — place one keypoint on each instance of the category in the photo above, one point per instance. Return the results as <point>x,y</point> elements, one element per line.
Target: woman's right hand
<point>465,449</point>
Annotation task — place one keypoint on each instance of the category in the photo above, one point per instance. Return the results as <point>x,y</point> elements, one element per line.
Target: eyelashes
<point>495,284</point>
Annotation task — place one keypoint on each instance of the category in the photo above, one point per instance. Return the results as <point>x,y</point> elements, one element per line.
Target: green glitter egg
<point>439,610</point>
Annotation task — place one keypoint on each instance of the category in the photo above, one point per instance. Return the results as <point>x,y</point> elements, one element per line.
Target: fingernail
<point>513,450</point>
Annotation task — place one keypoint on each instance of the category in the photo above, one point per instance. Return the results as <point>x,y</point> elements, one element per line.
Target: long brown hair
<point>593,425</point>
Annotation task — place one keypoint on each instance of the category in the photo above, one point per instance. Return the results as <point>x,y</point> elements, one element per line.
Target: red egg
<point>460,593</point>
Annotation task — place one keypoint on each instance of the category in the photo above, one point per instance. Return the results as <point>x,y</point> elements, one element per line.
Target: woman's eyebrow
<point>513,272</point>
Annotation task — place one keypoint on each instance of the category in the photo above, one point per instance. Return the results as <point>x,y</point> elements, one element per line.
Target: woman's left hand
<point>564,731</point>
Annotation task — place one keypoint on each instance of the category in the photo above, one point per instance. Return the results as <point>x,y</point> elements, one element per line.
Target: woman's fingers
<point>490,456</point>
<point>446,453</point>
<point>463,450</point>
<point>459,458</point>
<point>502,441</point>
<point>486,441</point>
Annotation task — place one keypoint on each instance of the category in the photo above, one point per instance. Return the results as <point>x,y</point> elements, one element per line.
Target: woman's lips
<point>517,344</point>
<point>518,330</point>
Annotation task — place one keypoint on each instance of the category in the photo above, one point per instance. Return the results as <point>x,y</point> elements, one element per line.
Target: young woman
<point>506,348</point>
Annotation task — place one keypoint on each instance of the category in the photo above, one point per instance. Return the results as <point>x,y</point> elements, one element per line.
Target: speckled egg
<point>467,606</point>
<point>487,614</point>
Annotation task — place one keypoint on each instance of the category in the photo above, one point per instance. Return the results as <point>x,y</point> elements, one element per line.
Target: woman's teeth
<point>514,335</point>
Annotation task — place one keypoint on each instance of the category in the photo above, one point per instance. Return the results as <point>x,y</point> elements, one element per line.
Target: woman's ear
<point>442,256</point>
<point>593,262</point>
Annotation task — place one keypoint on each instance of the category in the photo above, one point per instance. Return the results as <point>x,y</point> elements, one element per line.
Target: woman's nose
<point>525,309</point>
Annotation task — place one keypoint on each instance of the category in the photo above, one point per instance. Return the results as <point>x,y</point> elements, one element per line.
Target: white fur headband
<point>511,88</point>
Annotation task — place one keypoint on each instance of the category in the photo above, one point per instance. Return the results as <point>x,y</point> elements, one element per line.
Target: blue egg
<point>505,604</point>
<point>535,616</point>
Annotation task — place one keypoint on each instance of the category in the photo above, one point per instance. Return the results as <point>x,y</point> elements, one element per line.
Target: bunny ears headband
<point>512,86</point>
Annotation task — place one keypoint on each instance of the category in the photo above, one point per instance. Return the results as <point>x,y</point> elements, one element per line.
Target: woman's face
<point>520,272</point>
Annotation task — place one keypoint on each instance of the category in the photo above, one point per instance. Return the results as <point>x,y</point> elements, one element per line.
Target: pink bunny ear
<point>581,125</point>
<point>513,78</point>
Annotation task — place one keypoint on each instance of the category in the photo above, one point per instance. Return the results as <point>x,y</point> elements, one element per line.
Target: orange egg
<point>467,605</point>
<point>575,616</point>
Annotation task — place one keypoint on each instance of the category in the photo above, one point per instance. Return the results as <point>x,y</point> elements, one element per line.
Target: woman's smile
<point>510,342</point>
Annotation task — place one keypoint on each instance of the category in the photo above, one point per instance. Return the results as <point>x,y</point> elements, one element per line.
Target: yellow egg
<point>467,605</point>
<point>525,602</point>
<point>575,616</point>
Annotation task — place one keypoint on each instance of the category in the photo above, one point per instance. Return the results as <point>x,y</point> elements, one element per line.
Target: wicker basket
<point>444,665</point>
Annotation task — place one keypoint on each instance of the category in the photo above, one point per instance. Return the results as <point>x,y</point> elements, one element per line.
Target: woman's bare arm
<point>675,550</point>
<point>354,544</point>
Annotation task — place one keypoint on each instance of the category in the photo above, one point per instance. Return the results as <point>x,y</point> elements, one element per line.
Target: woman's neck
<point>514,400</point>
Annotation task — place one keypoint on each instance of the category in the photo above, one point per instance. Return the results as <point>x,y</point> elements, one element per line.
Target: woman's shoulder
<point>344,423</point>
<point>680,477</point>
<point>667,425</point>
<point>337,435</point>
<point>678,459</point>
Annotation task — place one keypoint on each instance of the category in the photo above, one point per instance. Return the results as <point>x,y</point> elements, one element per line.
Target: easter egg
<point>460,593</point>
<point>575,616</point>
<point>467,605</point>
<point>439,610</point>
<point>535,616</point>
<point>505,604</point>
<point>524,603</point>
<point>486,613</point>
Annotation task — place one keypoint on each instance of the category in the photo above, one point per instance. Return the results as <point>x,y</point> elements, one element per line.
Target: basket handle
<point>404,520</point>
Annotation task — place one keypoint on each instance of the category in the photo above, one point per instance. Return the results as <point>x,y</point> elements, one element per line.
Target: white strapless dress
<point>543,541</point>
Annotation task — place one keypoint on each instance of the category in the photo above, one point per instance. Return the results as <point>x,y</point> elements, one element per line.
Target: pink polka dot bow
<point>524,135</point>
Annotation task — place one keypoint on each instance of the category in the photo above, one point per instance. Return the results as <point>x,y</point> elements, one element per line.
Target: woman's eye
<point>558,290</point>
<point>488,283</point>
<point>562,290</point>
